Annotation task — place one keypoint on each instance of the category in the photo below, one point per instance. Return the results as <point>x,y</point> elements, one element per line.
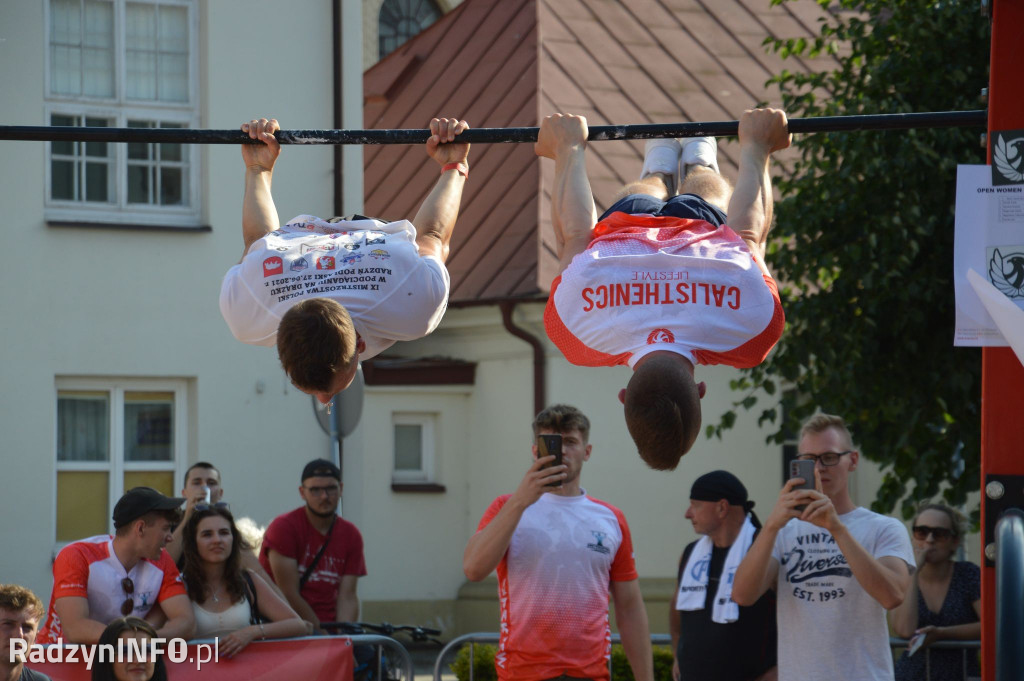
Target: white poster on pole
<point>989,239</point>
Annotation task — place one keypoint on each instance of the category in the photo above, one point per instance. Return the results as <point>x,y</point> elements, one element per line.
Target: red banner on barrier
<point>305,659</point>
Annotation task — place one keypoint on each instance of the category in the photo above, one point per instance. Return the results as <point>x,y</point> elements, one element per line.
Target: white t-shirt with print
<point>829,626</point>
<point>374,269</point>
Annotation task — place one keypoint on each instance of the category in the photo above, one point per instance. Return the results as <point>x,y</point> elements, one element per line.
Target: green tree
<point>863,246</point>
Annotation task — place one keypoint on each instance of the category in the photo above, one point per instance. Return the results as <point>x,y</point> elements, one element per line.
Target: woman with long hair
<point>230,602</point>
<point>123,665</point>
<point>943,603</point>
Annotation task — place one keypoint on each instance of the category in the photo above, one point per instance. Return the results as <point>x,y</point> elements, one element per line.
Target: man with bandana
<point>713,638</point>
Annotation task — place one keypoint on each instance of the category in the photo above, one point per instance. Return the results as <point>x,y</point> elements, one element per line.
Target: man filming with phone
<point>836,567</point>
<point>559,553</point>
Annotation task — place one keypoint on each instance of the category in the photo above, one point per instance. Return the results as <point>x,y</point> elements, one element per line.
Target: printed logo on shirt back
<point>660,336</point>
<point>273,265</point>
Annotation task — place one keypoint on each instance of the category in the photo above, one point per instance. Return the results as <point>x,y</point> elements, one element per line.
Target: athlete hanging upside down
<point>333,292</point>
<point>659,282</point>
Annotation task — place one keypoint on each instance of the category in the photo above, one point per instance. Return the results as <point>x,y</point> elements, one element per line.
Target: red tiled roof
<point>508,63</point>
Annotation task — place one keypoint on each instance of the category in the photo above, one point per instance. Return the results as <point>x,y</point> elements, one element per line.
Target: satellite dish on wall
<point>348,407</point>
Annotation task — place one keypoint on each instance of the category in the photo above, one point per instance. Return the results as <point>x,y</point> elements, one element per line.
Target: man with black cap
<point>314,555</point>
<point>99,579</point>
<point>712,637</point>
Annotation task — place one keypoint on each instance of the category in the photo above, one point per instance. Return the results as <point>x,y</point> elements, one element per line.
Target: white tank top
<point>213,624</point>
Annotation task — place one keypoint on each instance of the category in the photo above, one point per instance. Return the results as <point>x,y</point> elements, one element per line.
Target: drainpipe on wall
<point>347,57</point>
<point>347,60</point>
<point>539,364</point>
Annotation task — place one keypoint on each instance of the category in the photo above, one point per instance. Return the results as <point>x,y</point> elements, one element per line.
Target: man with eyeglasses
<point>836,567</point>
<point>315,556</point>
<point>99,579</point>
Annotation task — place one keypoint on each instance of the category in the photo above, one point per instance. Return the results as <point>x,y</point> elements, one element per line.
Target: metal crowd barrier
<point>381,642</point>
<point>664,639</point>
<point>968,648</point>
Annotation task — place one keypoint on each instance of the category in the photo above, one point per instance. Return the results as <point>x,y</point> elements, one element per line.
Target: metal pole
<point>1010,596</point>
<point>939,119</point>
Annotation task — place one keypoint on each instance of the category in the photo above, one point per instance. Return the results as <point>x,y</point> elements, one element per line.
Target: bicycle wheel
<point>394,665</point>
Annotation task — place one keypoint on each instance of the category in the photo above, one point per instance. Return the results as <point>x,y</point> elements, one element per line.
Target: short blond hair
<point>821,422</point>
<point>16,598</point>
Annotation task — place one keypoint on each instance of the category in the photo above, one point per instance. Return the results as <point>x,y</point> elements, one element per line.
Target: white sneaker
<point>697,151</point>
<point>662,156</point>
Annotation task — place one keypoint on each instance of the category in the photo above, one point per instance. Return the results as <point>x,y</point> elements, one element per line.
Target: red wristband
<point>461,167</point>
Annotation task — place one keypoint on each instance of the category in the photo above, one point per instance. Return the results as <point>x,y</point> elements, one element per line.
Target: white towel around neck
<point>694,584</point>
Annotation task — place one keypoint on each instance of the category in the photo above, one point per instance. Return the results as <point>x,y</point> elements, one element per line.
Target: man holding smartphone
<point>559,553</point>
<point>836,567</point>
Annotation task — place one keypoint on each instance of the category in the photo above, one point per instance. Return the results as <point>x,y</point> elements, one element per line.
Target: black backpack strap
<point>250,595</point>
<point>316,559</point>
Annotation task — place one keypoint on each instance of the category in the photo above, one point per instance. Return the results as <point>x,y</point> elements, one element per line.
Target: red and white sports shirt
<point>89,569</point>
<point>553,587</point>
<point>649,283</point>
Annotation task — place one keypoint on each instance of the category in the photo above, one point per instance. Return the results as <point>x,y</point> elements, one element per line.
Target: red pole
<point>1002,376</point>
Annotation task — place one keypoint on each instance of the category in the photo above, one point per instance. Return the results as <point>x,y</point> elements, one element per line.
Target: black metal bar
<point>43,133</point>
<point>1010,596</point>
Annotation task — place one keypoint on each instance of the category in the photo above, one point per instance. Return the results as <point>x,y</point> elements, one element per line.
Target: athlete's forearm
<point>573,213</point>
<point>259,214</point>
<point>751,205</point>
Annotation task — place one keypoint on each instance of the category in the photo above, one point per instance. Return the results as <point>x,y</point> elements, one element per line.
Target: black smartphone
<point>548,445</point>
<point>802,468</point>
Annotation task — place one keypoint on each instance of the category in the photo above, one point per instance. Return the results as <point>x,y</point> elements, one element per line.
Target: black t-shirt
<point>741,650</point>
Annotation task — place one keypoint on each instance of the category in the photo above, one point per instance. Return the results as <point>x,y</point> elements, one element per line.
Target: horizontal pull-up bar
<point>906,121</point>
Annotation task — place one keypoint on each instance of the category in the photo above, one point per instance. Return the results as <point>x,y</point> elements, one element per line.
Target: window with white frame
<point>122,63</point>
<point>113,435</point>
<point>414,447</point>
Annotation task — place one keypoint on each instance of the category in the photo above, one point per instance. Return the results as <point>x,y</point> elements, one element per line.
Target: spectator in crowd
<point>944,601</point>
<point>98,579</point>
<point>203,489</point>
<point>315,556</point>
<point>559,552</point>
<point>708,628</point>
<point>836,567</point>
<point>20,612</point>
<point>129,666</point>
<point>230,601</point>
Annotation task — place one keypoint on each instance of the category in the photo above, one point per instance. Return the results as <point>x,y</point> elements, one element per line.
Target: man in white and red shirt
<point>99,579</point>
<point>558,553</point>
<point>332,293</point>
<point>660,282</point>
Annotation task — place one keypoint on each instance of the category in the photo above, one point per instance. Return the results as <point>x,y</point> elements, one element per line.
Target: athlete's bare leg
<point>709,185</point>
